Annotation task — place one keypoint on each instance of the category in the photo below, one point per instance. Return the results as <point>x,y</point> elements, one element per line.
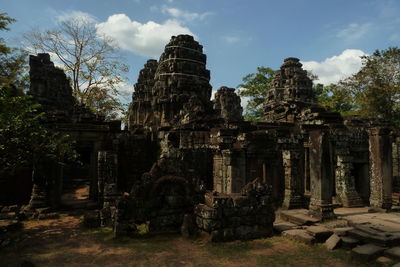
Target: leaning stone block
<point>333,242</point>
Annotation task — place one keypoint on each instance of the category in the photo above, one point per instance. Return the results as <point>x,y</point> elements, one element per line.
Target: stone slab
<point>298,217</point>
<point>320,233</point>
<point>378,238</point>
<point>393,252</point>
<point>342,231</point>
<point>384,261</point>
<point>367,252</point>
<point>300,235</point>
<point>349,242</point>
<point>283,226</point>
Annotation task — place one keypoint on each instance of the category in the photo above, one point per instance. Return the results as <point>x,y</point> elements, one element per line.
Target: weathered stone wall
<point>236,216</point>
<point>50,87</point>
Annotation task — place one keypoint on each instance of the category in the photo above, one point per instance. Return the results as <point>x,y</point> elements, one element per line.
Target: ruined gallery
<point>187,163</point>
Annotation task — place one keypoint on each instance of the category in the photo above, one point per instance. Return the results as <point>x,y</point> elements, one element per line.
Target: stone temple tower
<point>181,90</point>
<point>291,92</point>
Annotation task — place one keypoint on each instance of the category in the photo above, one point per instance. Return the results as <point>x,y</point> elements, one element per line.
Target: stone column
<point>108,192</point>
<point>396,165</point>
<point>380,158</point>
<point>293,163</point>
<point>321,175</point>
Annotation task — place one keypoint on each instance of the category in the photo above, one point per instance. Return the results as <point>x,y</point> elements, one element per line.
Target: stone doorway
<point>360,172</point>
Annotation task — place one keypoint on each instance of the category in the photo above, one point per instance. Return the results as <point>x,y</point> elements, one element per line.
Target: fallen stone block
<point>342,231</point>
<point>9,225</point>
<point>48,216</point>
<point>385,261</point>
<point>333,242</point>
<point>349,242</point>
<point>91,219</point>
<point>367,252</point>
<point>300,235</point>
<point>299,217</point>
<point>372,237</point>
<point>393,253</point>
<point>283,226</point>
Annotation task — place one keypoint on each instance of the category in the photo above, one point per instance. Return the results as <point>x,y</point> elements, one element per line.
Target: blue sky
<point>327,36</point>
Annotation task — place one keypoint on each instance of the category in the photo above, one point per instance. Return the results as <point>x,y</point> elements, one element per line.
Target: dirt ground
<point>64,242</point>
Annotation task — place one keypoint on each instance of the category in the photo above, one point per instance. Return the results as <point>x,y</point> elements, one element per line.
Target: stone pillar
<point>293,163</point>
<point>380,158</point>
<point>321,175</point>
<point>306,170</point>
<point>107,177</point>
<point>93,190</point>
<point>396,165</point>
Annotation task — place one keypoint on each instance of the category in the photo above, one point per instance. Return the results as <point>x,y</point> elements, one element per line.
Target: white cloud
<point>184,15</point>
<point>354,31</point>
<point>231,39</point>
<point>77,16</point>
<point>146,39</point>
<point>125,91</point>
<point>335,68</point>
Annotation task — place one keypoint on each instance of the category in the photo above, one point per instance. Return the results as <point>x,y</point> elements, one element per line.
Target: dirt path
<point>63,242</point>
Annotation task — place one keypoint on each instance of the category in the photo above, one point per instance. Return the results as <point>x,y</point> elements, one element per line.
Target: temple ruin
<point>186,162</point>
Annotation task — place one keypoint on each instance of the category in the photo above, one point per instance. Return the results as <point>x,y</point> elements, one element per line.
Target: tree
<point>13,65</point>
<point>91,60</point>
<point>376,87</point>
<point>255,86</point>
<point>334,97</point>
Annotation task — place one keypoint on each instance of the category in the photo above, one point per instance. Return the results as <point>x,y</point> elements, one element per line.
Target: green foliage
<point>13,65</point>
<point>376,87</point>
<point>23,139</point>
<point>255,86</point>
<point>334,98</point>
